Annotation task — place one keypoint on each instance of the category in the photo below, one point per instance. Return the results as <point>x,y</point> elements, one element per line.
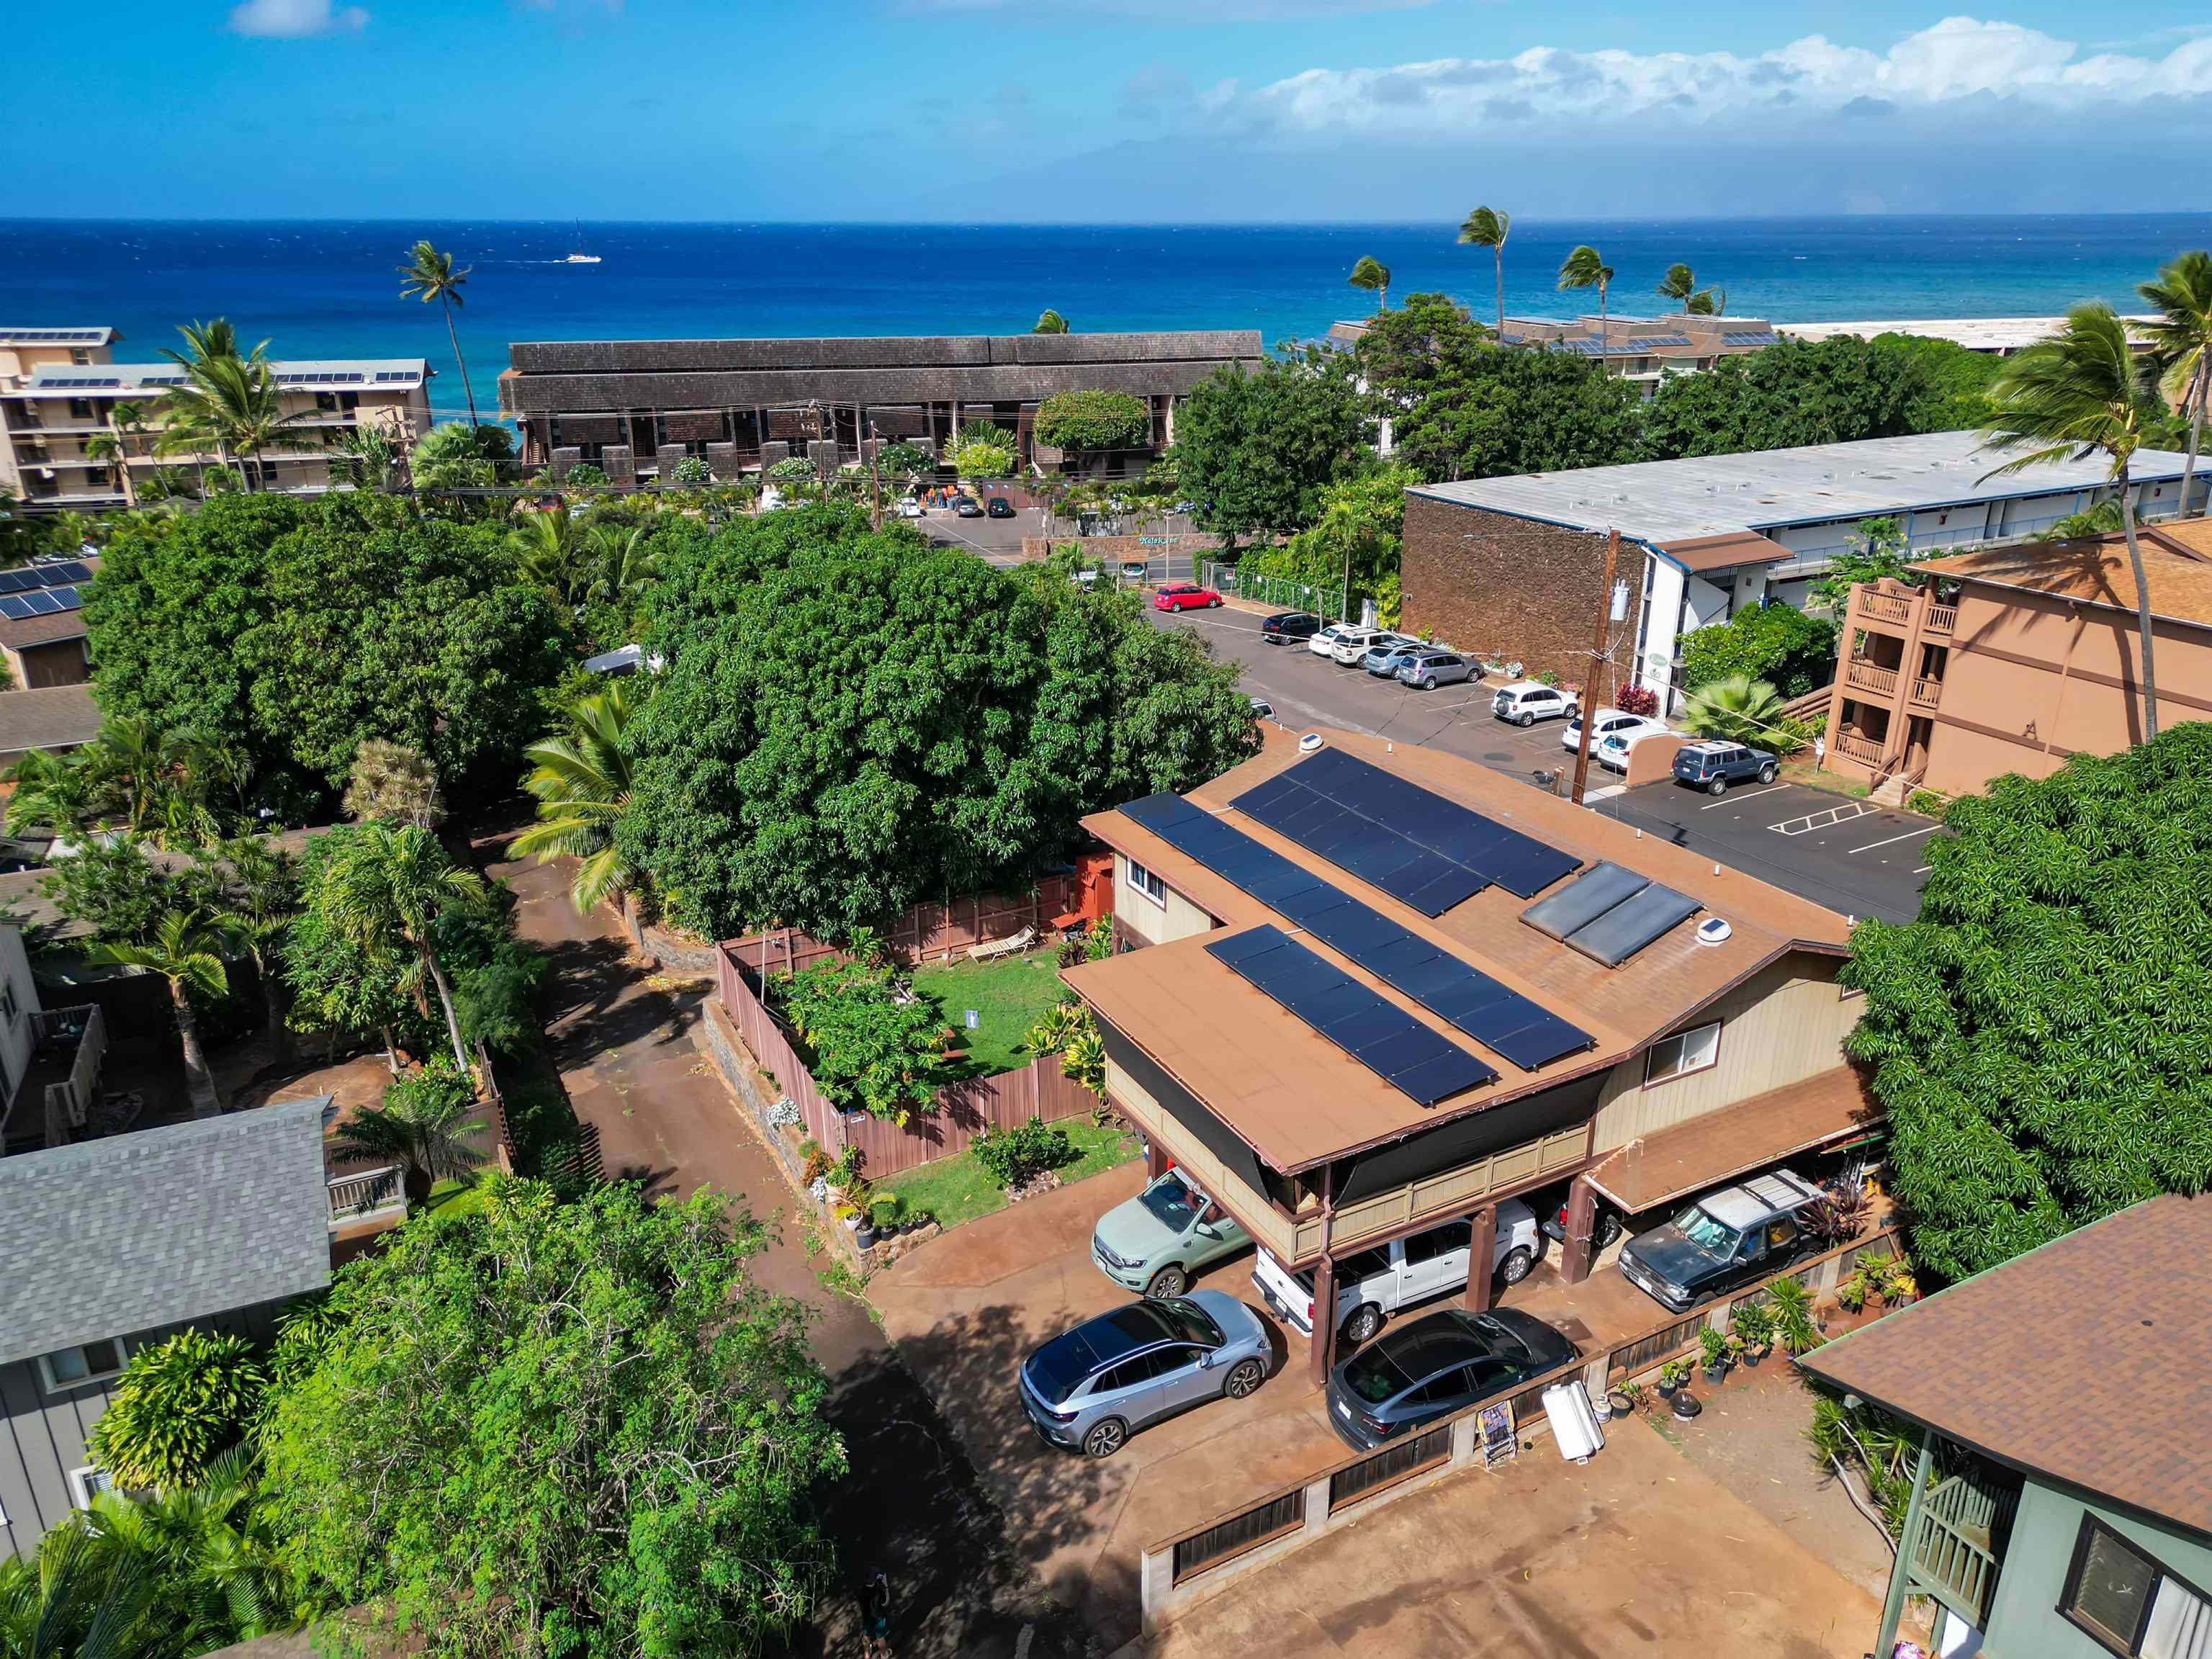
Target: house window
<point>2131,1605</point>
<point>1148,884</point>
<point>80,357</point>
<point>7,1002</point>
<point>81,409</point>
<point>72,1367</point>
<point>86,1483</point>
<point>1682,1054</point>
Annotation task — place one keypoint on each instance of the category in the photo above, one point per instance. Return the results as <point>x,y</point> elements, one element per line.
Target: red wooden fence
<point>930,932</point>
<point>961,1111</point>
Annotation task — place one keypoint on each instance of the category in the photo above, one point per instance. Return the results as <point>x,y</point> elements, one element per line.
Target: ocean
<point>329,288</point>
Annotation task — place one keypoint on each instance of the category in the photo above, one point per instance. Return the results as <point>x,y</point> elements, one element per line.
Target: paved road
<point>1859,859</point>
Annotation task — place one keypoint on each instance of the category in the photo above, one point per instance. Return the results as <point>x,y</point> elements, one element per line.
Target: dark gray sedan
<point>1440,1364</point>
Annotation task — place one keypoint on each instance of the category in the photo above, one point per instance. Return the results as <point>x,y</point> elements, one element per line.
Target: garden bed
<point>958,1188</point>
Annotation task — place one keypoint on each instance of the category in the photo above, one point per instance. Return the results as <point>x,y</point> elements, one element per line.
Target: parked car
<point>966,507</point>
<point>1526,702</point>
<point>1185,596</point>
<point>1428,669</point>
<point>999,507</point>
<point>1287,625</point>
<point>1372,1285</point>
<point>1725,1240</point>
<point>1713,765</point>
<point>1089,1388</point>
<point>1262,709</point>
<point>1323,642</point>
<point>1383,656</point>
<point>1606,723</point>
<point>1613,751</point>
<point>1440,1364</point>
<point>908,507</point>
<point>1134,571</point>
<point>1352,644</point>
<point>1156,1240</point>
<point>1605,1228</point>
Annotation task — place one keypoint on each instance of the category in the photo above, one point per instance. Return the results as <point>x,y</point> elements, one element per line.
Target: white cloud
<point>1187,12</point>
<point>1958,59</point>
<point>296,19</point>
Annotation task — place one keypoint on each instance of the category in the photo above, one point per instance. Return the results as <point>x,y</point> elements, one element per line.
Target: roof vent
<point>1714,930</point>
<point>1309,743</point>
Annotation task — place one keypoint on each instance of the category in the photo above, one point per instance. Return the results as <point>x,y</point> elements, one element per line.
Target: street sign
<point>1154,541</point>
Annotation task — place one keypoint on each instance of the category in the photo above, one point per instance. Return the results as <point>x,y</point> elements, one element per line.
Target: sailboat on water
<point>581,257</point>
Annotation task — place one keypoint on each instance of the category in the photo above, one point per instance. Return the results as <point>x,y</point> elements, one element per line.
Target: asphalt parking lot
<point>1861,860</point>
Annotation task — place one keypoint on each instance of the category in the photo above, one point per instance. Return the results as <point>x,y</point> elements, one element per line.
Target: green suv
<point>1159,1238</point>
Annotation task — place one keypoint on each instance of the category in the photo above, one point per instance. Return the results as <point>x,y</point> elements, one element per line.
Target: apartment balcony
<point>1893,608</point>
<point>1926,695</point>
<point>1965,1524</point>
<point>1864,750</point>
<point>1861,675</point>
<point>365,1201</point>
<point>1942,622</point>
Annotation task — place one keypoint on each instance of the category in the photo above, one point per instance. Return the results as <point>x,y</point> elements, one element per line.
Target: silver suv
<point>1428,669</point>
<point>1087,1389</point>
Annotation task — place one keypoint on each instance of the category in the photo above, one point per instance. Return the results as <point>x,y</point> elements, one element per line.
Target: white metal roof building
<point>1998,335</point>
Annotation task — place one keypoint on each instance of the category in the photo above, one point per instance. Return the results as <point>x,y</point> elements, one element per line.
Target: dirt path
<point>623,1038</point>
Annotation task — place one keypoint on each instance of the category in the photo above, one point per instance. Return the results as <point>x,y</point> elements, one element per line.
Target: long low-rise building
<point>1996,337</point>
<point>633,407</point>
<point>1363,992</point>
<point>1514,566</point>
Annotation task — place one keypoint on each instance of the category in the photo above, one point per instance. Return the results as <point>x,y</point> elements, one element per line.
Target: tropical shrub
<point>986,451</point>
<point>1793,652</point>
<point>1636,699</point>
<point>872,1049</point>
<point>1737,709</point>
<point>1093,420</point>
<point>180,1404</point>
<point>584,475</point>
<point>691,472</point>
<point>1016,1156</point>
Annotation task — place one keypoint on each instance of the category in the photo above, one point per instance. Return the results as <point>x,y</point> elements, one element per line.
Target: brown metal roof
<point>2084,1361</point>
<point>1738,547</point>
<point>2096,572</point>
<point>1671,1163</point>
<point>1299,1098</point>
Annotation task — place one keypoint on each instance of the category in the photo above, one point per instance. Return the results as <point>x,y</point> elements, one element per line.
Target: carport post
<point>1581,1223</point>
<point>1323,1350</point>
<point>1156,1159</point>
<point>1480,1270</point>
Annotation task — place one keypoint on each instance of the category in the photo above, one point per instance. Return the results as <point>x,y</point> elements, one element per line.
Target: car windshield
<point>1192,1322</point>
<point>1174,1203</point>
<point>1707,1233</point>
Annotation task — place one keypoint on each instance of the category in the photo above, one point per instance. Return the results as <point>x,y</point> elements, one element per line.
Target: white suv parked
<point>1323,644</point>
<point>1373,1284</point>
<point>1526,702</point>
<point>1353,643</point>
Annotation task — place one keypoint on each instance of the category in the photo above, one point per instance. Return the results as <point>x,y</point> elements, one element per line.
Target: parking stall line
<point>1734,800</point>
<point>1927,829</point>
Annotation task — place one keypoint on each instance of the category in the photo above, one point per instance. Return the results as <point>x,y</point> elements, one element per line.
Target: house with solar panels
<point>42,634</point>
<point>1360,991</point>
<point>60,388</point>
<point>1641,350</point>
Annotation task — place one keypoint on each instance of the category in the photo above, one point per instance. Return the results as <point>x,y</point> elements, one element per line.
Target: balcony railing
<point>1863,749</point>
<point>366,1194</point>
<point>1962,1525</point>
<point>1864,676</point>
<point>1885,607</point>
<point>1927,694</point>
<point>1942,619</point>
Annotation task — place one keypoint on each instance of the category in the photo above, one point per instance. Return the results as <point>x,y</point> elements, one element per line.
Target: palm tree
<point>204,342</point>
<point>1707,303</point>
<point>107,449</point>
<point>79,1598</point>
<point>2102,519</point>
<point>1050,322</point>
<point>622,565</point>
<point>389,886</point>
<point>1738,708</point>
<point>233,404</point>
<point>185,953</point>
<point>55,792</point>
<point>261,894</point>
<point>582,778</point>
<point>2181,345</point>
<point>426,1131</point>
<point>1488,227</point>
<point>1679,283</point>
<point>2080,393</point>
<point>429,275</point>
<point>1584,269</point>
<point>545,544</point>
<point>219,1565</point>
<point>1371,275</point>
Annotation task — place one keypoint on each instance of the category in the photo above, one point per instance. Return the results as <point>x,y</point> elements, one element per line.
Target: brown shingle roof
<point>2097,572</point>
<point>1674,1162</point>
<point>1297,1098</point>
<point>2086,1361</point>
<point>17,632</point>
<point>1738,547</point>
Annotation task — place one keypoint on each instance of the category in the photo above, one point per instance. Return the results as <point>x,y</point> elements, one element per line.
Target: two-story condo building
<point>1361,990</point>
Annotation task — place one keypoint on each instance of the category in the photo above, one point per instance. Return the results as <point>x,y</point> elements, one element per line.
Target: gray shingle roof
<point>115,1236</point>
<point>47,717</point>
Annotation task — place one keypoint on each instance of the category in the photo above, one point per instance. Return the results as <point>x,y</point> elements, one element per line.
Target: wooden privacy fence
<point>959,1112</point>
<point>1187,1566</point>
<point>929,933</point>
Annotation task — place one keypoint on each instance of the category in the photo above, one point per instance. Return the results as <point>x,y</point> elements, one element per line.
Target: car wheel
<point>1766,775</point>
<point>1427,682</point>
<point>1106,1436</point>
<point>1244,1377</point>
<point>1170,1280</point>
<point>1609,1229</point>
<point>1362,1324</point>
<point>1718,787</point>
<point>1574,711</point>
<point>1524,719</point>
<point>1516,1267</point>
<point>1213,605</point>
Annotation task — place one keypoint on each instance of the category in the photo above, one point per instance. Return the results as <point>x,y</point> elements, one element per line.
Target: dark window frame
<point>2069,1592</point>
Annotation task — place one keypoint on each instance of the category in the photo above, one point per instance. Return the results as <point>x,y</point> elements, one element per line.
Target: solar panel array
<point>54,336</point>
<point>75,381</point>
<point>321,377</point>
<point>1502,1020</point>
<point>1751,336</point>
<point>1378,1034</point>
<point>386,376</point>
<point>42,589</point>
<point>1412,843</point>
<point>1610,913</point>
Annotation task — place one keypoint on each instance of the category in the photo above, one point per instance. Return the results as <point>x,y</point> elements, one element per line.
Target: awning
<point>1824,1111</point>
<point>1703,554</point>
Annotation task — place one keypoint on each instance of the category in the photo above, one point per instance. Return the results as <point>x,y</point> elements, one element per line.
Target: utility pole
<point>875,483</point>
<point>1604,650</point>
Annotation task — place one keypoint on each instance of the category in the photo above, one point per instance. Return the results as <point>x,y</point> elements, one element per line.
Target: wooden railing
<point>1955,1559</point>
<point>69,1102</point>
<point>1860,749</point>
<point>1942,619</point>
<point>1868,677</point>
<point>1927,694</point>
<point>1885,607</point>
<point>370,1192</point>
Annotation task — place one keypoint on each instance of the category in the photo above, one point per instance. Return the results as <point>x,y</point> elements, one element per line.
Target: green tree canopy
<point>1361,529</point>
<point>1256,447</point>
<point>543,1428</point>
<point>2038,1036</point>
<point>853,721</point>
<point>1778,643</point>
<point>179,1405</point>
<point>1836,391</point>
<point>1093,420</point>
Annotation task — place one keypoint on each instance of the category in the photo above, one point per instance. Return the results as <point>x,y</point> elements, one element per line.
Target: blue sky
<point>1075,110</point>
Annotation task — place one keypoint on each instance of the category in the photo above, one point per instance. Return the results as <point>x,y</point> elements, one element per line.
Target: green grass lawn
<point>451,1197</point>
<point>1009,996</point>
<point>956,1189</point>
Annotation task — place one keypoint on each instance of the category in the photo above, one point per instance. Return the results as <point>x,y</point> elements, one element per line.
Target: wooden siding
<point>1781,1026</point>
<point>1154,924</point>
<point>1454,1189</point>
<point>1253,1209</point>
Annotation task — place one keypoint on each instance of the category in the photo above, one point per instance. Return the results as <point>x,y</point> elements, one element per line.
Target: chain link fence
<point>1280,592</point>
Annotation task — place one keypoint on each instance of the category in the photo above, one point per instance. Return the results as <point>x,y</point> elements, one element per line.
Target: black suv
<point>999,507</point>
<point>1287,625</point>
<point>1725,1240</point>
<point>1713,766</point>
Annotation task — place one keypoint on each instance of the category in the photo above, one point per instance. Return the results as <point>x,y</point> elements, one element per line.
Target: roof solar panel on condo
<point>1374,1031</point>
<point>56,575</point>
<point>1610,913</point>
<point>1412,842</point>
<point>1500,1019</point>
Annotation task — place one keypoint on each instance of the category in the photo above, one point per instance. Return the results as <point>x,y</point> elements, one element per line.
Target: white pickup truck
<point>1373,1283</point>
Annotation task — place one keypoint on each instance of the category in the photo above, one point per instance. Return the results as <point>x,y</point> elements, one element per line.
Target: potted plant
<point>1672,1376</point>
<point>1754,1329</point>
<point>1713,1354</point>
<point>1853,1288</point>
<point>864,1232</point>
<point>1897,1286</point>
<point>884,1214</point>
<point>1790,1305</point>
<point>1624,1397</point>
<point>849,1216</point>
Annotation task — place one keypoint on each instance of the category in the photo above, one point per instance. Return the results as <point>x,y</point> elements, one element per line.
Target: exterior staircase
<point>1893,790</point>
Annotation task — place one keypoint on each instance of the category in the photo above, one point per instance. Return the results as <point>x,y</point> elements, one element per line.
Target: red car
<point>1184,597</point>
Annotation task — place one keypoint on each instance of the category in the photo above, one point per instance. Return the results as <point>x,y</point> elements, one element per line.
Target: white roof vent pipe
<point>1309,743</point>
<point>1714,930</point>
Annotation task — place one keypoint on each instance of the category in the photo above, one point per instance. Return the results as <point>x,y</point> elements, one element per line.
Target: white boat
<point>581,257</point>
